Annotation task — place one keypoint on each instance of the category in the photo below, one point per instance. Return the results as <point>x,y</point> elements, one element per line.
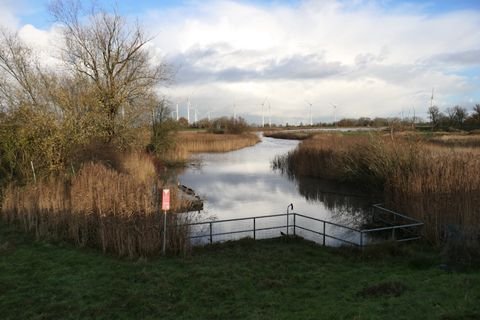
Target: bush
<point>229,125</point>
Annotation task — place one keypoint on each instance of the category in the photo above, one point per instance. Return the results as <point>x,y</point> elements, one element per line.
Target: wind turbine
<point>188,110</point>
<point>311,119</point>
<point>269,115</point>
<point>414,118</point>
<point>334,113</point>
<point>177,111</point>
<point>263,112</point>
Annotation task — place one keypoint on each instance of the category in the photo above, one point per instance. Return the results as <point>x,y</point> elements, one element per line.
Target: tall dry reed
<point>441,190</point>
<point>289,134</point>
<point>318,156</point>
<point>198,142</point>
<point>208,142</point>
<point>118,212</point>
<point>440,186</point>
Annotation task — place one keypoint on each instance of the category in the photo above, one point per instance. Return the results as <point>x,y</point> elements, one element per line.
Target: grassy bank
<point>273,279</point>
<point>437,184</point>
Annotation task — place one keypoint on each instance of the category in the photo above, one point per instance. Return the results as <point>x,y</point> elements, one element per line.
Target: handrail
<point>328,222</point>
<point>394,227</point>
<point>379,206</point>
<point>328,236</point>
<point>237,219</point>
<point>360,232</point>
<point>234,232</point>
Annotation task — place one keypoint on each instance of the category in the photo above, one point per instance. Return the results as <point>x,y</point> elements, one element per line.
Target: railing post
<point>287,223</point>
<point>393,234</point>
<point>361,239</point>
<point>324,233</point>
<point>290,206</point>
<point>211,237</point>
<point>164,232</point>
<point>254,229</point>
<point>294,224</point>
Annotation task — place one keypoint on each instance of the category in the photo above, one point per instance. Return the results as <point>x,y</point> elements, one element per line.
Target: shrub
<point>229,125</point>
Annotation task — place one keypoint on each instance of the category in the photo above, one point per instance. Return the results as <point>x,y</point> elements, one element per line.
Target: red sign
<point>166,199</point>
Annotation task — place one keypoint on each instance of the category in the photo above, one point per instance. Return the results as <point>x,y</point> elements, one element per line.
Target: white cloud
<point>46,44</point>
<point>8,16</point>
<point>368,60</point>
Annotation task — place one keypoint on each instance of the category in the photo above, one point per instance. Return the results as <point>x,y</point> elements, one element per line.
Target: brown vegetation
<point>456,141</point>
<point>289,134</point>
<point>64,135</point>
<point>118,212</point>
<point>207,142</point>
<point>198,142</point>
<point>438,185</point>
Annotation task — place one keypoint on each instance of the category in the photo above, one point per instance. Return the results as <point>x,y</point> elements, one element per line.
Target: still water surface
<point>243,184</point>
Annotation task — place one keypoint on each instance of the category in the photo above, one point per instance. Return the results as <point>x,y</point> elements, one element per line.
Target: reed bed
<point>318,156</point>
<point>209,142</point>
<point>198,142</point>
<point>289,134</point>
<point>438,185</point>
<point>117,212</point>
<point>457,141</point>
<point>443,191</point>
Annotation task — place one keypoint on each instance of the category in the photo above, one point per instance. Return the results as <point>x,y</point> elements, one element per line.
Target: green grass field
<point>271,279</point>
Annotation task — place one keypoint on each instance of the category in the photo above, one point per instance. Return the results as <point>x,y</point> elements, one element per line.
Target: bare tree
<point>457,115</point>
<point>111,54</point>
<point>18,71</point>
<point>476,113</point>
<point>434,114</point>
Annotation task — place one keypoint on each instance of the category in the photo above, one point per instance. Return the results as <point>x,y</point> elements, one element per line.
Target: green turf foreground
<point>272,279</point>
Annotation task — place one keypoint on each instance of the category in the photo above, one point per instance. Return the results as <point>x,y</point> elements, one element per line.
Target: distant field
<point>302,134</point>
<point>272,279</point>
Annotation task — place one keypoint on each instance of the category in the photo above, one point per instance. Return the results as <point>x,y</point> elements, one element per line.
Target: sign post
<point>165,208</point>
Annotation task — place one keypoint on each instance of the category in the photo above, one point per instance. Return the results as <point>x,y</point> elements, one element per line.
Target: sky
<point>367,58</point>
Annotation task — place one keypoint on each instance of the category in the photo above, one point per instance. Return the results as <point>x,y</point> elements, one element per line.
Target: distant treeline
<point>231,125</point>
<point>456,117</point>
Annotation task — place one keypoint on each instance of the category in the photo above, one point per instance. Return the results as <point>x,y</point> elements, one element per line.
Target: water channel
<point>242,184</point>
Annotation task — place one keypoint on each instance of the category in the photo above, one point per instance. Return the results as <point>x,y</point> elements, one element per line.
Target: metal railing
<point>254,229</point>
<point>397,230</point>
<point>408,230</point>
